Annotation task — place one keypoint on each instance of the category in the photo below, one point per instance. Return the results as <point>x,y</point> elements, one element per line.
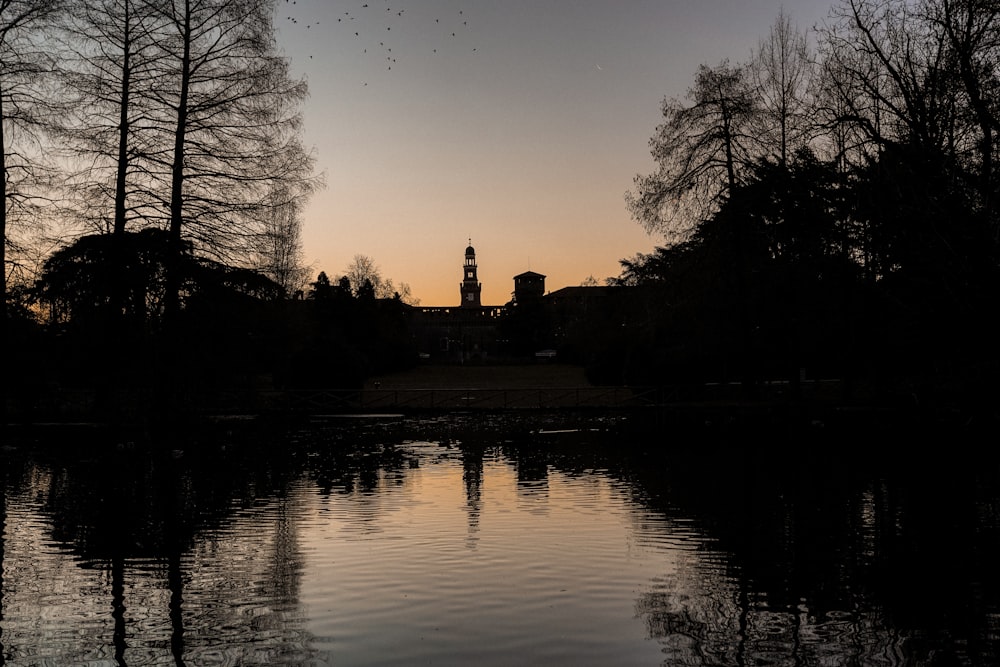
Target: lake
<point>494,540</point>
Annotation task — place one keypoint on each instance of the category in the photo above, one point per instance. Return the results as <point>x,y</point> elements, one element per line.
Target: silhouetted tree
<point>972,28</point>
<point>108,69</point>
<point>233,325</point>
<point>366,292</point>
<point>702,150</point>
<point>344,285</point>
<point>892,74</point>
<point>279,248</point>
<point>25,108</point>
<point>346,337</point>
<point>232,116</point>
<point>791,276</point>
<point>874,256</point>
<point>782,71</point>
<point>74,285</point>
<point>320,289</point>
<point>363,273</point>
<point>930,259</point>
<point>762,288</point>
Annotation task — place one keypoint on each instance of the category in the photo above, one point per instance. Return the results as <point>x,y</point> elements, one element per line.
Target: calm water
<point>470,541</point>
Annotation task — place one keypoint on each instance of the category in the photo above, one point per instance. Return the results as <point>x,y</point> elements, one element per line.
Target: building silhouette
<point>460,333</point>
<point>471,289</point>
<point>530,322</point>
<point>528,286</point>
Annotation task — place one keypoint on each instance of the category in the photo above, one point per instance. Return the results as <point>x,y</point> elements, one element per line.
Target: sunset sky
<point>519,124</point>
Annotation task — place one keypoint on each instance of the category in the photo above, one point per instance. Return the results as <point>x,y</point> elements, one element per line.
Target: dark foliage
<point>883,278</point>
<point>236,331</point>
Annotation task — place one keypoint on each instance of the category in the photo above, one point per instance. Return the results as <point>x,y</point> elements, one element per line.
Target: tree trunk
<point>3,258</point>
<point>123,127</point>
<point>174,240</point>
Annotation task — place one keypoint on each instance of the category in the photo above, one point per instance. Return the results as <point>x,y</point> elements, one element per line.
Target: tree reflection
<point>118,608</point>
<point>3,538</point>
<point>144,515</point>
<point>836,556</point>
<point>821,554</point>
<point>12,483</point>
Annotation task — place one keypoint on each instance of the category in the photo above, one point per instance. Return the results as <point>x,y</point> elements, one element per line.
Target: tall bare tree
<point>108,70</point>
<point>781,71</point>
<point>232,114</point>
<point>702,150</point>
<point>24,106</point>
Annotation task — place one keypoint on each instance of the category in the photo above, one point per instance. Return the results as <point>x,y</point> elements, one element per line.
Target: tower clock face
<point>469,296</point>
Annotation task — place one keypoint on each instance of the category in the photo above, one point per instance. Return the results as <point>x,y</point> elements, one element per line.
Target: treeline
<point>829,205</point>
<point>151,155</point>
<point>238,334</point>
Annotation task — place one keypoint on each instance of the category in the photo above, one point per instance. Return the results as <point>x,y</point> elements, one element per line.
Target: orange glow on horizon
<point>520,129</point>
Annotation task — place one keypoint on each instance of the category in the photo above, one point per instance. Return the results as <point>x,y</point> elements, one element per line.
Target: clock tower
<point>470,287</point>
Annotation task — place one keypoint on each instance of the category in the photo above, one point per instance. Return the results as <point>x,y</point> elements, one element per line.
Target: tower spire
<point>470,286</point>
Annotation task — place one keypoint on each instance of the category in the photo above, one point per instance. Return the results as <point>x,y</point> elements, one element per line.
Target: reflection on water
<point>460,542</point>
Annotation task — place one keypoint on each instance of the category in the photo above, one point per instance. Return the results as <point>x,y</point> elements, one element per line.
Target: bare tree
<point>362,270</point>
<point>108,70</point>
<point>890,71</point>
<point>364,274</point>
<point>893,81</point>
<point>232,115</point>
<point>279,249</point>
<point>24,106</point>
<point>972,28</point>
<point>702,149</point>
<point>781,71</point>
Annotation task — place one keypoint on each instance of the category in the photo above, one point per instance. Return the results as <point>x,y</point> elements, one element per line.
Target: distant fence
<point>536,398</point>
<point>84,405</point>
<point>380,400</point>
<point>63,405</point>
<point>502,399</point>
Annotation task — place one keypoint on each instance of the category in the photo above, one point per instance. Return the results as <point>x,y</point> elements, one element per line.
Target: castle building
<point>530,322</point>
<point>459,333</point>
<point>471,289</point>
<point>528,286</point>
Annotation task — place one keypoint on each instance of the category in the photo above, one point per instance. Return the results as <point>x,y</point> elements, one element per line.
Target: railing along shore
<point>67,405</point>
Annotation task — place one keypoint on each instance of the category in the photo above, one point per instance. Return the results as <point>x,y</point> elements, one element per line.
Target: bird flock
<point>374,26</point>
